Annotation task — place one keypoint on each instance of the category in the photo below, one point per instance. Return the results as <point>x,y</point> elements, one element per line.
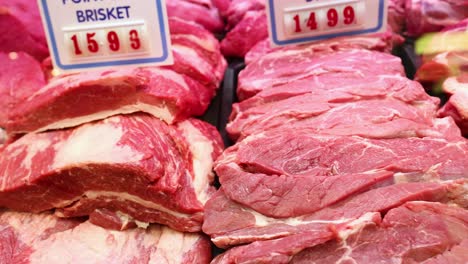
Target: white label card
<point>301,21</point>
<point>86,34</point>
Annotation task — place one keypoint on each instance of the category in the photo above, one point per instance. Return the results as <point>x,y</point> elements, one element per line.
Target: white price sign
<point>84,34</point>
<point>300,21</point>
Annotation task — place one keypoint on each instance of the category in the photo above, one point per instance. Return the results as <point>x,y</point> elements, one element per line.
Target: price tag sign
<point>300,21</point>
<point>84,34</point>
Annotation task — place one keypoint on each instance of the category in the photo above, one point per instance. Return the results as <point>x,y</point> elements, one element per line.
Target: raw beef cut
<point>457,106</point>
<point>401,232</point>
<point>200,12</point>
<point>272,182</point>
<point>423,16</point>
<point>284,67</point>
<point>44,238</point>
<point>171,93</point>
<point>20,76</point>
<point>378,42</point>
<point>245,225</point>
<point>21,28</point>
<point>161,92</point>
<point>196,53</point>
<point>379,108</point>
<point>248,32</point>
<point>132,168</point>
<point>412,233</point>
<point>298,159</point>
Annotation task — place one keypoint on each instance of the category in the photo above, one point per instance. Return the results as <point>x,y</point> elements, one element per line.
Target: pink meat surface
<point>306,64</point>
<point>44,238</point>
<point>21,28</point>
<point>134,165</point>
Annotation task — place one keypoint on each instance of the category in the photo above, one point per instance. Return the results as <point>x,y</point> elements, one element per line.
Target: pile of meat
<point>90,156</point>
<point>338,156</point>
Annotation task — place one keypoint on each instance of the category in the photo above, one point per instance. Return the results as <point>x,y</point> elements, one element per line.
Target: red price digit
<point>135,39</point>
<point>298,24</point>
<point>93,46</point>
<point>312,23</point>
<point>332,15</point>
<point>114,43</point>
<point>78,51</point>
<point>348,13</point>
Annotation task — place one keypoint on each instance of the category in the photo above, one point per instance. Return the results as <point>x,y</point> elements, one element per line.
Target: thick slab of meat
<point>20,76</point>
<point>412,233</point>
<point>364,109</point>
<point>136,166</point>
<point>79,98</point>
<point>403,232</point>
<point>200,12</point>
<point>457,106</point>
<point>283,166</point>
<point>171,93</point>
<point>21,28</point>
<point>423,16</point>
<point>230,223</point>
<point>44,238</point>
<point>286,67</point>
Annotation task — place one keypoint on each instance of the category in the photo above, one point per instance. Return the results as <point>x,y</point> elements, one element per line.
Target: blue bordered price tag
<point>300,21</point>
<point>84,34</point>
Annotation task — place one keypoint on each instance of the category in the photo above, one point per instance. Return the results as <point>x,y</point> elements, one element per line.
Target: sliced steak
<point>344,110</point>
<point>230,223</point>
<point>412,233</point>
<point>161,92</point>
<point>403,233</point>
<point>172,93</point>
<point>286,67</point>
<point>44,238</point>
<point>136,165</point>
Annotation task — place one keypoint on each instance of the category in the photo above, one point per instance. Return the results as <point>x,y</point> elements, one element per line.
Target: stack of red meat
<point>93,153</point>
<point>339,159</point>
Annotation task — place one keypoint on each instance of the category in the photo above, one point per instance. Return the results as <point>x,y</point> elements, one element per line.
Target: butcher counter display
<point>331,153</point>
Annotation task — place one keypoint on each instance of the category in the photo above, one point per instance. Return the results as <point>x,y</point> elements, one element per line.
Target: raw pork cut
<point>423,16</point>
<point>401,232</point>
<point>307,64</point>
<point>172,93</point>
<point>457,105</point>
<point>377,108</point>
<point>127,168</point>
<point>44,238</point>
<point>21,28</point>
<point>20,76</point>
